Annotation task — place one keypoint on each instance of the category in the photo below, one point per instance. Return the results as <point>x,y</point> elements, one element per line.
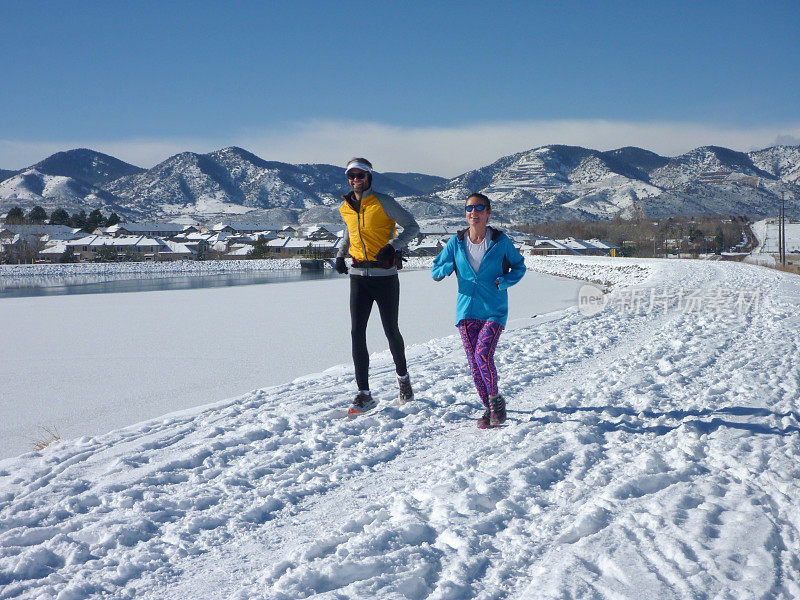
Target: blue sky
<point>432,87</point>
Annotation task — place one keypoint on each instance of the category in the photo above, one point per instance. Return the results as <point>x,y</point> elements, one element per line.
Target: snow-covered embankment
<point>652,452</point>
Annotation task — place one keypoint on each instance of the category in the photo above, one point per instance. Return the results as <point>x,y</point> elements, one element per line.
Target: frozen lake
<point>124,282</point>
<point>85,364</point>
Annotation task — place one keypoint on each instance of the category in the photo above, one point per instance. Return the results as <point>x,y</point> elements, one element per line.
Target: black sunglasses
<point>478,207</point>
<point>356,175</point>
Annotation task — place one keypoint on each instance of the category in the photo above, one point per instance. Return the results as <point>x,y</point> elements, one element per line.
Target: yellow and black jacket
<point>371,224</point>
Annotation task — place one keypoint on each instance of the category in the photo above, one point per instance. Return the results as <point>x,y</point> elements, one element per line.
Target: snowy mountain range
<point>89,166</point>
<point>31,187</point>
<point>568,182</point>
<point>547,183</point>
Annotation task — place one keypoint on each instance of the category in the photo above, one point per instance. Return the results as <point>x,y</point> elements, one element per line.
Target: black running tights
<point>386,292</point>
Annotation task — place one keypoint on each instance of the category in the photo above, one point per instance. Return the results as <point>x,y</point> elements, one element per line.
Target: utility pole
<point>783,228</point>
<point>780,240</point>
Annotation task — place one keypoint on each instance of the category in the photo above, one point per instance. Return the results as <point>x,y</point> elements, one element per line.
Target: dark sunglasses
<point>478,207</point>
<point>356,175</point>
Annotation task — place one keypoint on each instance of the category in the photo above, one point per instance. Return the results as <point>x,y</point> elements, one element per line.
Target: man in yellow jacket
<point>371,241</point>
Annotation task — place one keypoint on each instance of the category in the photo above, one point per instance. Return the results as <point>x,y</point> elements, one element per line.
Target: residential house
<point>305,247</point>
<point>546,247</point>
<point>543,246</point>
<point>427,244</point>
<point>237,252</point>
<point>53,251</point>
<point>145,229</point>
<point>244,227</point>
<point>323,232</point>
<point>137,248</point>
<point>46,232</point>
<point>22,243</point>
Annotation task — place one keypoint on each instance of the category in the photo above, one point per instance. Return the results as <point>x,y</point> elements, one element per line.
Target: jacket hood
<point>491,232</point>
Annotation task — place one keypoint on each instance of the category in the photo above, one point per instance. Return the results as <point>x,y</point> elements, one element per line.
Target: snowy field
<point>767,235</point>
<point>87,364</point>
<point>653,451</point>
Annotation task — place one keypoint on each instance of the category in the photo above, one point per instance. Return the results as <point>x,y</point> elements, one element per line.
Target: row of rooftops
<point>140,244</point>
<point>570,244</point>
<point>231,238</point>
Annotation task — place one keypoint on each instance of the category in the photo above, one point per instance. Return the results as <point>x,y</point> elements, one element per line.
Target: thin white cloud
<point>446,151</point>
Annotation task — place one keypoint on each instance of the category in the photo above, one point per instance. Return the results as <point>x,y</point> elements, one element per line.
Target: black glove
<point>341,266</point>
<point>385,256</point>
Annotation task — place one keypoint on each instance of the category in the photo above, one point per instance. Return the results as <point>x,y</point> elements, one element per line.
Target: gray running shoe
<point>498,412</point>
<point>406,393</point>
<point>362,404</point>
<point>483,422</point>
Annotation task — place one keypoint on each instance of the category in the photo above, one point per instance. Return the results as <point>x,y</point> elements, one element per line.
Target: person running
<point>371,219</point>
<point>486,264</point>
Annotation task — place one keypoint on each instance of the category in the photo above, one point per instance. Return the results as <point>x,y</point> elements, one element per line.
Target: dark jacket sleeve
<point>517,263</point>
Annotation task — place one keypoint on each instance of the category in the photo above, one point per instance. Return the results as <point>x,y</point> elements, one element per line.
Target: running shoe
<point>406,393</point>
<point>498,410</point>
<point>362,404</point>
<point>484,421</point>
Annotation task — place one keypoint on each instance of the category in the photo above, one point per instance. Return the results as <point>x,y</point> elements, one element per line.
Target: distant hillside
<point>550,183</point>
<point>421,184</point>
<point>5,174</point>
<point>233,181</point>
<point>570,182</point>
<point>86,165</point>
<point>31,187</point>
<point>642,160</point>
<point>780,161</point>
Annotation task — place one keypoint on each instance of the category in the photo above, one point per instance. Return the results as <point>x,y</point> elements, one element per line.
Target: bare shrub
<point>47,436</point>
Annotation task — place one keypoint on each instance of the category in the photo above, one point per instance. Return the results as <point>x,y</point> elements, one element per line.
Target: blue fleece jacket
<point>478,295</point>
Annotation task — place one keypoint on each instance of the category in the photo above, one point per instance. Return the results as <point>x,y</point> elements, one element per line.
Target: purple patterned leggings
<point>480,340</point>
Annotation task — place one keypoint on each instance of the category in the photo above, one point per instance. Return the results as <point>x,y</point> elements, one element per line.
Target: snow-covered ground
<point>766,231</point>
<point>652,452</point>
<point>86,364</point>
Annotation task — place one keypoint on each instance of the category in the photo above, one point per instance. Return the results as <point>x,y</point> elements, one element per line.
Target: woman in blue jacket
<point>486,264</point>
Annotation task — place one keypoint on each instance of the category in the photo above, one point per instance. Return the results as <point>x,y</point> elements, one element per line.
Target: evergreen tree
<point>67,256</point>
<point>260,249</point>
<point>37,215</point>
<point>59,217</point>
<point>106,254</point>
<point>113,219</point>
<point>78,219</point>
<point>94,220</point>
<point>15,216</point>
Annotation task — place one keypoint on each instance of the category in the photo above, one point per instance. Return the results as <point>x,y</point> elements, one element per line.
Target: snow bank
<point>149,269</point>
<point>761,259</point>
<point>600,270</point>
